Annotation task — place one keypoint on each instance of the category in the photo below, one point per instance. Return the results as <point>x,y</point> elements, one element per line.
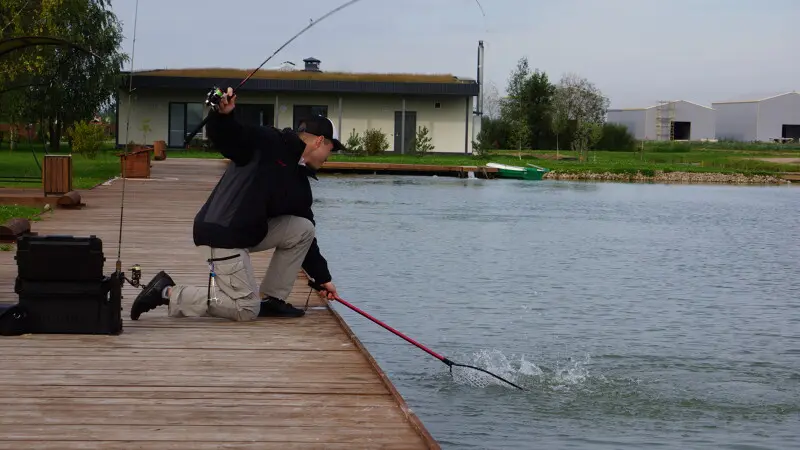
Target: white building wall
<point>449,125</point>
<point>736,121</point>
<point>650,132</point>
<point>633,119</point>
<point>775,112</point>
<point>702,120</point>
<point>642,122</point>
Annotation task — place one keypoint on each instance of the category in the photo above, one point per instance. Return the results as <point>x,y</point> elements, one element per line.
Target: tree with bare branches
<point>583,106</point>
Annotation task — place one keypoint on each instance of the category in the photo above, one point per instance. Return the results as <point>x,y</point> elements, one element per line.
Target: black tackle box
<point>83,307</point>
<point>62,288</point>
<point>60,258</point>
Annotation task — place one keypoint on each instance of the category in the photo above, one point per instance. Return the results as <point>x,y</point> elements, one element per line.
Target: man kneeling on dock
<point>262,201</point>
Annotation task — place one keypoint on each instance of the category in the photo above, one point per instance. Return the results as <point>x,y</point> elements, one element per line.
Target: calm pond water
<point>637,316</point>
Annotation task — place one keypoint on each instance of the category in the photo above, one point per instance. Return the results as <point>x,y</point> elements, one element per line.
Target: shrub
<point>87,138</point>
<point>355,143</point>
<point>422,142</point>
<point>495,133</point>
<point>375,142</point>
<point>480,149</point>
<point>616,137</point>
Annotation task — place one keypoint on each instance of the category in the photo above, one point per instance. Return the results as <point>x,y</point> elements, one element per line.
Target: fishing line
<point>450,364</point>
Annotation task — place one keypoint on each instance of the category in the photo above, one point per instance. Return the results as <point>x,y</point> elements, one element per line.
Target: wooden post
<point>57,174</point>
<point>159,150</point>
<point>14,228</point>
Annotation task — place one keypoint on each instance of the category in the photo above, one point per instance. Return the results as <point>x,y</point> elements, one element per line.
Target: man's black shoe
<point>151,297</point>
<point>275,307</point>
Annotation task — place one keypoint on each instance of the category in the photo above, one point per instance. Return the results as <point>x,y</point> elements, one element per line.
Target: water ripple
<point>636,316</point>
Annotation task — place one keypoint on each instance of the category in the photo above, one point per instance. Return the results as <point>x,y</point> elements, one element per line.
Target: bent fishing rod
<point>449,363</point>
<point>215,94</point>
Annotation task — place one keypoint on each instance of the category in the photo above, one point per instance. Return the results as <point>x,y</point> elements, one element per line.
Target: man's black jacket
<point>263,180</point>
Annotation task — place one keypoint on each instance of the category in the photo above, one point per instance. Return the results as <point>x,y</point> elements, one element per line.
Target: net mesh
<point>493,361</point>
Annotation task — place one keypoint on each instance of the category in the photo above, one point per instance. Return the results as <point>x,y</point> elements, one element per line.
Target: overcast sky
<point>636,51</point>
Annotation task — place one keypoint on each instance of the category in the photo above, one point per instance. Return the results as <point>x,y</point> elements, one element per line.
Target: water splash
<point>563,376</point>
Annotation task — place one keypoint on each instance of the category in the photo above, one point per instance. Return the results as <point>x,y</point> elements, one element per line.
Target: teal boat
<point>518,172</point>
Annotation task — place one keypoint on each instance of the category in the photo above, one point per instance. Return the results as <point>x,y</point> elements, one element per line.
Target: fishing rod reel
<point>136,276</point>
<point>213,98</point>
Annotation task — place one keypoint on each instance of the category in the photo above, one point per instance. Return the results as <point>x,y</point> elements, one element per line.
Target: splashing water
<point>526,373</point>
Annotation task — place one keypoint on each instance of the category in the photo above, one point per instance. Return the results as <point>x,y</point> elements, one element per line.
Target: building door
<point>411,129</point>
<point>791,132</point>
<point>681,131</point>
<point>253,114</point>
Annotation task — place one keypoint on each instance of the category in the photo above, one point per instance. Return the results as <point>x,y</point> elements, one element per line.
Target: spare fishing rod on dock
<point>448,362</point>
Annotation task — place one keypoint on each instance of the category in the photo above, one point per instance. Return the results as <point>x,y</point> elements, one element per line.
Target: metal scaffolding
<point>665,120</point>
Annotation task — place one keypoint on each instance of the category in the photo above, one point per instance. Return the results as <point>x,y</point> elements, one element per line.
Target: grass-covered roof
<point>220,72</point>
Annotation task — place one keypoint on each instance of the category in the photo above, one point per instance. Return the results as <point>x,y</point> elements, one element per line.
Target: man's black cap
<point>322,126</point>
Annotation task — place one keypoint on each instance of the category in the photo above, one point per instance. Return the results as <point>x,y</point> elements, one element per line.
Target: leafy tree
<point>495,133</point>
<point>64,85</point>
<point>529,100</point>
<point>558,117</point>
<point>583,106</point>
<point>520,135</point>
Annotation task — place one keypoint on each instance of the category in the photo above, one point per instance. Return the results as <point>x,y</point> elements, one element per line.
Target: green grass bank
<point>720,162</point>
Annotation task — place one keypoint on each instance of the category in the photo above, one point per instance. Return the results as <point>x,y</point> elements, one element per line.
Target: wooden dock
<point>190,383</point>
<point>407,169</point>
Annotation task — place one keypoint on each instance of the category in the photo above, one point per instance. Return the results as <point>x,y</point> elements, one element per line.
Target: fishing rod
<point>446,361</point>
<point>127,134</point>
<point>215,94</point>
<point>136,271</point>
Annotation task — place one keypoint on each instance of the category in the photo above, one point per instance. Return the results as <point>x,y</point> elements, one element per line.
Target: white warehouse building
<point>677,120</point>
<point>775,118</point>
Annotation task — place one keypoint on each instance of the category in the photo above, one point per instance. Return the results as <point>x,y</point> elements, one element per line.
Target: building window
<point>260,115</point>
<point>302,111</point>
<point>183,119</point>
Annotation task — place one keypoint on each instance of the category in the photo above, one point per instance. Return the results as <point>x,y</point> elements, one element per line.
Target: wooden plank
<point>410,416</point>
<point>122,398</point>
<point>198,445</point>
<point>189,383</point>
<point>168,432</point>
<point>386,416</point>
<point>373,167</point>
<point>174,391</point>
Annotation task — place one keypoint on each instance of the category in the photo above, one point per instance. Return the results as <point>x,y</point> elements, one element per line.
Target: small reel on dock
<point>136,276</point>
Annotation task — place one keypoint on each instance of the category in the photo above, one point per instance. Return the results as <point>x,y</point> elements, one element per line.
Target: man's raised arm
<point>234,140</point>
